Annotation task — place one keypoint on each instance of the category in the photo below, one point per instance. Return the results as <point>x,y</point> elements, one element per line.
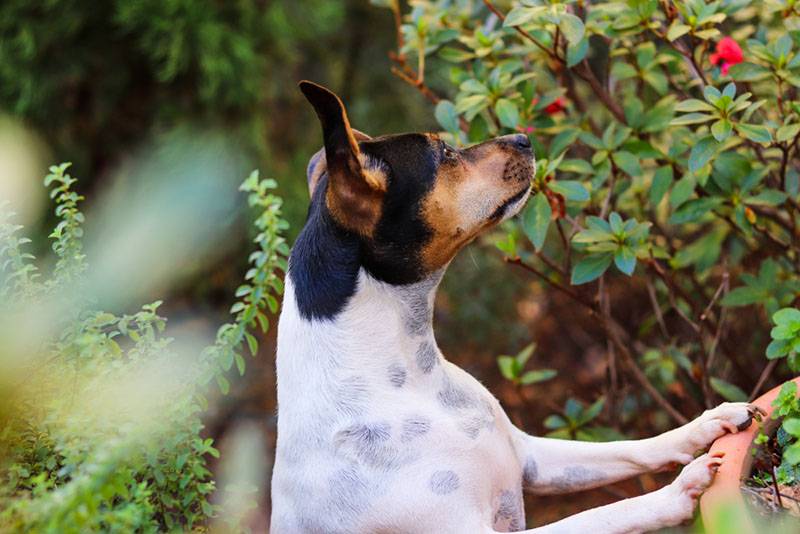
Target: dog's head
<point>413,200</point>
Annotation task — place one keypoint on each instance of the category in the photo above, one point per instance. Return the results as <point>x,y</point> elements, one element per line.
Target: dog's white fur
<point>377,432</point>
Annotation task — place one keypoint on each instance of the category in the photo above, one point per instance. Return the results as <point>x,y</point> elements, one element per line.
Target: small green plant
<point>786,337</point>
<point>574,422</point>
<point>513,368</point>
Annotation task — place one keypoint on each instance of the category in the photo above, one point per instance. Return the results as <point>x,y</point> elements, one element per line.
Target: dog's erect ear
<point>318,165</point>
<point>354,194</point>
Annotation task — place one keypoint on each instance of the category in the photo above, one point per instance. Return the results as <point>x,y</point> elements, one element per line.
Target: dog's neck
<point>379,325</point>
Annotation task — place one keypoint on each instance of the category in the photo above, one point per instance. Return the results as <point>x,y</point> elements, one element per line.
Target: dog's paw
<point>728,417</point>
<point>692,481</point>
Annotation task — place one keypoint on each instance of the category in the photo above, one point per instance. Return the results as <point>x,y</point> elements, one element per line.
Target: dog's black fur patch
<point>324,262</point>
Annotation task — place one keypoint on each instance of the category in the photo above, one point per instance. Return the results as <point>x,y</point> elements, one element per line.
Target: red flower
<point>728,53</point>
<point>556,106</point>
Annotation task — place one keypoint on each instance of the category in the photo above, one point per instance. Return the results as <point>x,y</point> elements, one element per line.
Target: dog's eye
<point>449,152</point>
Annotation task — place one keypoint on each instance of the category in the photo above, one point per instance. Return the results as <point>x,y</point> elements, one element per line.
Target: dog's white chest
<point>380,429</point>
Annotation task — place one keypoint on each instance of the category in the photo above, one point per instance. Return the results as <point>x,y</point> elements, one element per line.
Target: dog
<point>377,431</point>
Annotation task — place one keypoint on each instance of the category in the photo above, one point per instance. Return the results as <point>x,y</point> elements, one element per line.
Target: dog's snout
<point>518,141</point>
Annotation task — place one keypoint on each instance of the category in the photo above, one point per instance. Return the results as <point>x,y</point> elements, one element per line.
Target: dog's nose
<point>518,141</point>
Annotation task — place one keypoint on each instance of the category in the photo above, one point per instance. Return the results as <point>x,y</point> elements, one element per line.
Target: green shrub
<point>100,431</point>
<point>666,138</point>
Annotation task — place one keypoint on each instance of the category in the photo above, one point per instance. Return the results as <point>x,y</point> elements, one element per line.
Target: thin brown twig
<point>611,360</point>
<point>765,374</point>
<point>709,361</point>
<point>722,286</point>
<point>651,292</point>
<point>574,296</point>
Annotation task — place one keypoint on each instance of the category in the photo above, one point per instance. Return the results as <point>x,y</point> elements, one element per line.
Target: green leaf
<point>729,392</point>
<point>572,27</point>
<point>691,118</point>
<point>744,296</point>
<point>455,55</point>
<point>677,29</point>
<point>519,15</point>
<point>252,343</point>
<point>224,385</point>
<point>754,132</point>
<point>748,72</point>
<point>577,166</point>
<point>615,222</point>
<point>536,220</point>
<point>539,375</point>
<point>593,411</point>
<point>711,94</point>
<point>767,197</point>
<point>662,179</point>
<point>507,113</point>
<point>701,153</point>
<point>788,131</point>
<point>590,268</point>
<point>446,115</point>
<point>693,104</point>
<point>786,316</point>
<point>576,52</point>
<point>625,260</point>
<point>572,190</point>
<point>507,365</point>
<point>554,421</point>
<point>682,191</point>
<point>792,426</point>
<point>721,129</point>
<point>628,163</point>
<point>525,354</point>
<point>593,235</point>
<point>694,209</point>
<point>778,348</point>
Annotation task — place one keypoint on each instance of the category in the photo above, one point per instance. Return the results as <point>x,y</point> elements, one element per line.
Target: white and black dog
<point>377,431</point>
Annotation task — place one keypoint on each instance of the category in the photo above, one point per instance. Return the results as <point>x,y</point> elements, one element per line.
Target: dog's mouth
<point>511,206</point>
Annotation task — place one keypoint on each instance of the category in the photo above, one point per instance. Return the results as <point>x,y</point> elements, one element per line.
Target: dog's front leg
<point>666,507</point>
<point>559,466</point>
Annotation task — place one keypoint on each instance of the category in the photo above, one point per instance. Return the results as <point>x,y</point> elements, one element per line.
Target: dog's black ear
<point>354,194</point>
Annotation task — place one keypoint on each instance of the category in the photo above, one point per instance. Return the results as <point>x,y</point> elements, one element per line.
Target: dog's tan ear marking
<point>317,165</point>
<point>354,194</point>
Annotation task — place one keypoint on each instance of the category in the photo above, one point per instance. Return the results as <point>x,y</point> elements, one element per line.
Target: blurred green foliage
<point>99,430</point>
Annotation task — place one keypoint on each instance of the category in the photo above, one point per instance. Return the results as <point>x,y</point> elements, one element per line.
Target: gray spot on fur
<point>427,357</point>
<point>472,426</point>
<point>349,498</point>
<point>510,514</point>
<point>577,477</point>
<point>370,444</point>
<point>444,482</point>
<point>455,397</point>
<point>530,472</point>
<point>414,427</point>
<point>351,395</point>
<point>417,298</point>
<point>397,375</point>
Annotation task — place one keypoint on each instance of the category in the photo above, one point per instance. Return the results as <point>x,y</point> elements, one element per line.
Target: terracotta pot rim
<point>725,490</point>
